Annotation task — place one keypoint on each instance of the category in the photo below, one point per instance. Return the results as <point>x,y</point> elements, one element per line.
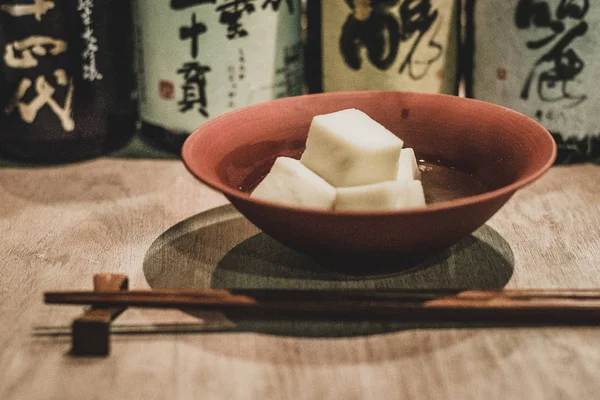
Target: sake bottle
<point>409,45</point>
<point>540,58</point>
<point>66,78</point>
<point>199,59</point>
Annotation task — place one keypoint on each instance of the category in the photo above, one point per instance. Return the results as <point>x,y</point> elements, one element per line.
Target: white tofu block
<point>408,169</point>
<point>291,183</point>
<point>412,196</point>
<point>383,196</point>
<point>348,148</point>
<point>375,197</point>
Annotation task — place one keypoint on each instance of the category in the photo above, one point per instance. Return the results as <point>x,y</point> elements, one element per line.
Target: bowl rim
<point>188,146</point>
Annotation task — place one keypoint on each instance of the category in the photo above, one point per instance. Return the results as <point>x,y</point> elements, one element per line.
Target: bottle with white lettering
<point>540,58</point>
<point>408,45</point>
<point>198,59</point>
<point>66,78</point>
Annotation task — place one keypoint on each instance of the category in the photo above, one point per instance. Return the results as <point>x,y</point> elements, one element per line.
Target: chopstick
<point>549,306</point>
<point>144,329</point>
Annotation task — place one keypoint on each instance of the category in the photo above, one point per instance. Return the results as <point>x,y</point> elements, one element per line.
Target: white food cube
<point>291,183</point>
<point>408,169</point>
<point>412,196</point>
<point>377,196</point>
<point>383,196</point>
<point>348,148</point>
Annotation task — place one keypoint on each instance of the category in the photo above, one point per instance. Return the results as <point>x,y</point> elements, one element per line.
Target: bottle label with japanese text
<point>390,45</point>
<point>198,59</point>
<point>540,58</point>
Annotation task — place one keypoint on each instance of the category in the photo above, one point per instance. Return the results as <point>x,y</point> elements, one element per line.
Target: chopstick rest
<point>90,332</point>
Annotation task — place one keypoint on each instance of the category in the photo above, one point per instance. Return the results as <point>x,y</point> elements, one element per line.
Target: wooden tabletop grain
<point>149,219</point>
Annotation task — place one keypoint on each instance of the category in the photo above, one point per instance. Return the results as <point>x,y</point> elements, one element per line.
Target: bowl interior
<point>498,146</point>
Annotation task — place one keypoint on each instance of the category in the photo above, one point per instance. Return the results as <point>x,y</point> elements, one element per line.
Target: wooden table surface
<point>144,217</point>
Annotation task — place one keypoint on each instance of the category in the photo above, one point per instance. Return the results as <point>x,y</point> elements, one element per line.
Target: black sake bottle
<point>66,78</point>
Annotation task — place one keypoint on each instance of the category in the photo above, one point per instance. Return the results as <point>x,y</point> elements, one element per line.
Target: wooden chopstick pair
<point>91,331</point>
<point>547,305</point>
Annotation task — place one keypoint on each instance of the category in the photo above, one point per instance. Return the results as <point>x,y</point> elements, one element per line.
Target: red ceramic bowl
<point>489,143</point>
